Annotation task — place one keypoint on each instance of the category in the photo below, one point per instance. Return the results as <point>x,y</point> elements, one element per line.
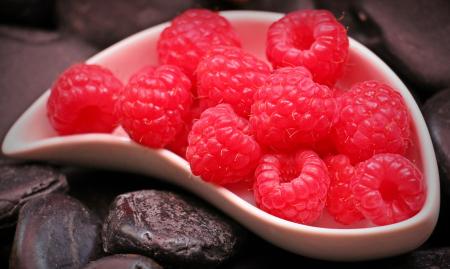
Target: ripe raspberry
<point>388,188</point>
<point>340,203</point>
<point>310,38</point>
<point>191,35</point>
<point>291,110</point>
<point>292,187</point>
<point>230,75</point>
<point>180,143</point>
<point>221,149</point>
<point>373,119</point>
<point>82,100</point>
<point>153,105</point>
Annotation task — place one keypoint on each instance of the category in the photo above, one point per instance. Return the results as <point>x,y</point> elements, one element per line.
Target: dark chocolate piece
<point>417,38</point>
<point>437,115</point>
<point>105,22</point>
<point>172,229</point>
<point>124,261</point>
<point>20,183</point>
<point>55,231</point>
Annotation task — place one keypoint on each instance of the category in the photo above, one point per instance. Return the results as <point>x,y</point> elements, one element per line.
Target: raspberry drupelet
<point>373,119</point>
<point>340,202</point>
<point>310,38</point>
<point>221,148</point>
<point>230,75</point>
<point>292,186</point>
<point>388,188</point>
<point>154,104</point>
<point>290,110</point>
<point>82,100</point>
<point>190,35</point>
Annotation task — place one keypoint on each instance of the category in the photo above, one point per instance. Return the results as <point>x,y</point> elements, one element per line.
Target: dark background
<point>40,38</point>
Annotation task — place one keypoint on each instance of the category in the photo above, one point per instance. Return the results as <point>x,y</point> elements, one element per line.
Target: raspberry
<point>154,104</point>
<point>82,100</point>
<point>230,75</point>
<point>340,203</point>
<point>221,149</point>
<point>180,142</point>
<point>291,110</point>
<point>388,188</point>
<point>292,187</point>
<point>191,35</point>
<point>373,119</point>
<point>310,38</point>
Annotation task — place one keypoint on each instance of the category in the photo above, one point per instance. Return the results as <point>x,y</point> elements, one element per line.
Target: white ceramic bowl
<point>32,137</point>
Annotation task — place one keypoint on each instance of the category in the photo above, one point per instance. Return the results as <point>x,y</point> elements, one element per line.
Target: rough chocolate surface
<point>55,231</point>
<point>172,229</point>
<point>20,183</point>
<point>124,261</point>
<point>437,115</point>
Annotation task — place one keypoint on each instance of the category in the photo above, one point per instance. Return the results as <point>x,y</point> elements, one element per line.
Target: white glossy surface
<point>32,137</point>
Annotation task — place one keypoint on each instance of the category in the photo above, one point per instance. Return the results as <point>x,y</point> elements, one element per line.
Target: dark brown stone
<point>55,231</point>
<point>174,230</point>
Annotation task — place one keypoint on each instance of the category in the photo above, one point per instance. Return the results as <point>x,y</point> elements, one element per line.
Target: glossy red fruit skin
<point>292,186</point>
<point>340,202</point>
<point>373,119</point>
<point>82,100</point>
<point>388,188</point>
<point>190,35</point>
<point>290,110</point>
<point>221,148</point>
<point>310,38</point>
<point>154,104</point>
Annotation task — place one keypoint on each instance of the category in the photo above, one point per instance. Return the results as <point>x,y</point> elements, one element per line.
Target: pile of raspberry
<point>305,145</point>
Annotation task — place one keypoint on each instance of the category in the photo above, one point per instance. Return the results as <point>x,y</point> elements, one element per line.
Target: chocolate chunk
<point>21,182</point>
<point>430,258</point>
<point>55,231</point>
<point>124,261</point>
<point>30,62</point>
<point>104,22</point>
<point>27,12</point>
<point>437,115</point>
<point>269,5</point>
<point>172,229</point>
<point>417,38</point>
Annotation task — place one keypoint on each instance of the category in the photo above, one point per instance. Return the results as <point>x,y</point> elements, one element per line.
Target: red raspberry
<point>180,142</point>
<point>230,75</point>
<point>292,187</point>
<point>373,119</point>
<point>82,100</point>
<point>191,35</point>
<point>221,149</point>
<point>388,188</point>
<point>291,110</point>
<point>340,203</point>
<point>154,104</point>
<point>310,38</point>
